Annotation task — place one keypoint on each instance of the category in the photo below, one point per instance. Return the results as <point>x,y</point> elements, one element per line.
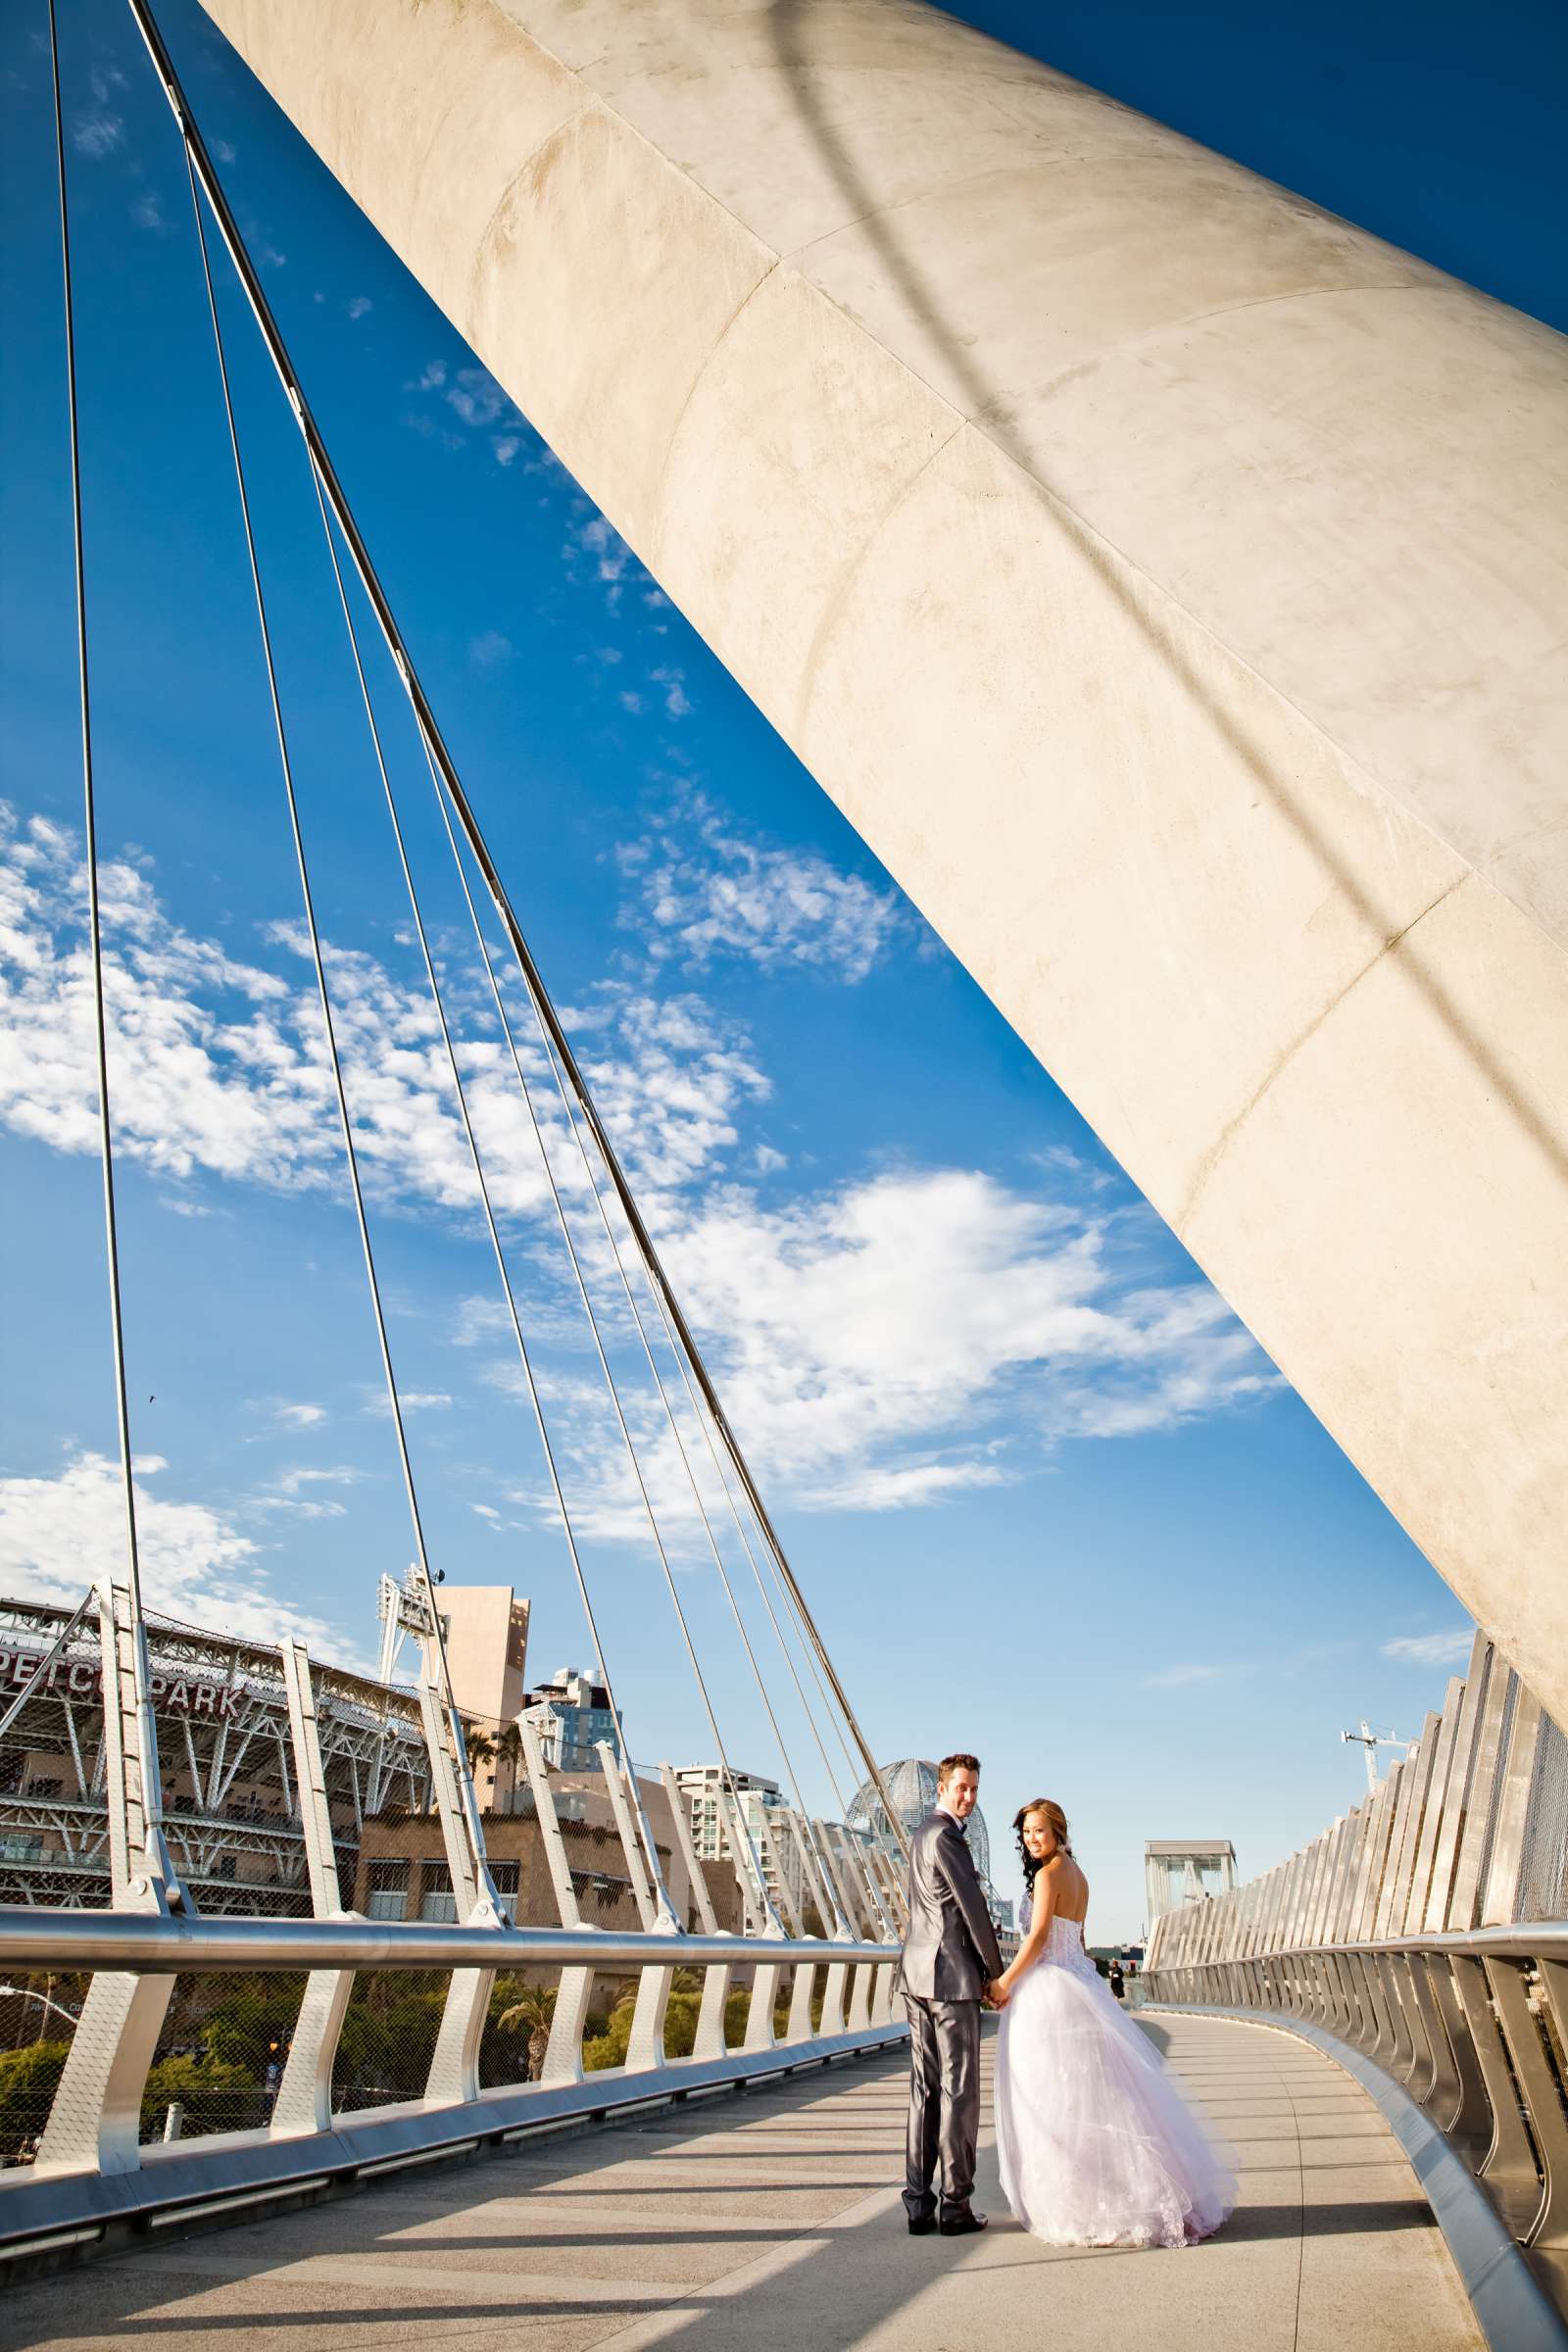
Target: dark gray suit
<point>950,1956</point>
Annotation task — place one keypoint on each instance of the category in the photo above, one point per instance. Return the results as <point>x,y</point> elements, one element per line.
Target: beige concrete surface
<point>772,2223</point>
<point>1167,578</point>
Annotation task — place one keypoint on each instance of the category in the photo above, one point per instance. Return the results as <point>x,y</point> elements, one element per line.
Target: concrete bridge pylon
<point>1169,580</point>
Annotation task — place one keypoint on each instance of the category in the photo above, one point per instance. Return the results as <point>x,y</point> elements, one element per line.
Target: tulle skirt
<point>1097,2143</point>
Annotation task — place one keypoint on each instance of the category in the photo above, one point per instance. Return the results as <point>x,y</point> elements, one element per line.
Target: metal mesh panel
<point>220,2055</point>
<point>1542,1891</point>
<point>516,2031</point>
<point>37,2024</point>
<point>388,2038</point>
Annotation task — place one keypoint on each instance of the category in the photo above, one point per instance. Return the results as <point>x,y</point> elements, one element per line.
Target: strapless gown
<point>1097,2146</point>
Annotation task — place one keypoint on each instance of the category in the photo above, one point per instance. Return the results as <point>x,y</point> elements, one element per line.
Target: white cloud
<point>879,1345</point>
<point>475,396</point>
<point>890,1345</point>
<point>1176,1678</point>
<point>360,305</point>
<point>673,681</point>
<point>59,1535</point>
<point>98,134</point>
<point>340,1474</point>
<point>935,1303</point>
<point>717,894</point>
<point>489,649</point>
<point>218,1068</point>
<point>1433,1649</point>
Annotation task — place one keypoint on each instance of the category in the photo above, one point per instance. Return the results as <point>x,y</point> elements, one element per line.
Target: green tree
<point>28,2079</point>
<point>215,2096</point>
<point>253,2025</point>
<point>526,2009</point>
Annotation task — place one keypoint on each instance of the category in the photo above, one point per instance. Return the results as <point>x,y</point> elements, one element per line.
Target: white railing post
<point>95,2119</point>
<point>304,2102</point>
<point>710,2041</point>
<point>645,2049</point>
<point>564,2051</point>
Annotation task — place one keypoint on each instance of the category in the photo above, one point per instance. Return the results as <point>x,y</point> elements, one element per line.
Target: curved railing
<point>1474,2027</point>
<point>97,2168</point>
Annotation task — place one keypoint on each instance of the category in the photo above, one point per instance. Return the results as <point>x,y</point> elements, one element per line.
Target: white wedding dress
<point>1097,2146</point>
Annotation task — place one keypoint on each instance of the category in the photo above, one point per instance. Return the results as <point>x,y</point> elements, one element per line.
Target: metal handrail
<point>1523,1940</point>
<point>1469,2026</point>
<point>78,1941</point>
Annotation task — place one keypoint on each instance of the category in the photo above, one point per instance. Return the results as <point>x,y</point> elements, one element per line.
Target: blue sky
<point>1046,1496</point>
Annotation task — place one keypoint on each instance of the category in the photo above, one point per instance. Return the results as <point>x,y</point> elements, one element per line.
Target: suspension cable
<point>599,1347</point>
<point>566,1104</point>
<point>464,1781</point>
<point>644,1829</point>
<point>824,1882</point>
<point>198,159</point>
<point>151,1798</point>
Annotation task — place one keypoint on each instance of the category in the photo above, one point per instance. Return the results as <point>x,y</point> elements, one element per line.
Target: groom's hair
<point>952,1764</point>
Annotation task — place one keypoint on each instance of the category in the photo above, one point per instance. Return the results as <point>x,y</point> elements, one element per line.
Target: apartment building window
<point>387,1891</point>
<point>437,1902</point>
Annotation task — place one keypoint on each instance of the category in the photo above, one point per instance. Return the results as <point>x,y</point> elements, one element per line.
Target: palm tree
<point>478,1745</point>
<point>509,1752</point>
<point>535,2008</point>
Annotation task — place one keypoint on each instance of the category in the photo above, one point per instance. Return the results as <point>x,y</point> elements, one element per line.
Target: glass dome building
<point>913,1786</point>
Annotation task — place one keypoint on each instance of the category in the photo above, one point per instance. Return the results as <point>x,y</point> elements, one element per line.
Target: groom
<point>951,1963</point>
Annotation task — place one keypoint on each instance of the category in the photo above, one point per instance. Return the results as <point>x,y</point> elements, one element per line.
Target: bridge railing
<point>1475,2028</point>
<point>386,2047</point>
<point>1426,1928</point>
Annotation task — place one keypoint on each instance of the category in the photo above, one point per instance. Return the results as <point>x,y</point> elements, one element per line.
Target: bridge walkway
<point>771,2224</point>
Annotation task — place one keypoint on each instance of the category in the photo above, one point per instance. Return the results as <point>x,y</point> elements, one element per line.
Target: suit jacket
<point>950,1953</point>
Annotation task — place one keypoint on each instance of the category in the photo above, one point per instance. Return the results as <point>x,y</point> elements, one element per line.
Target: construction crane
<point>1370,1740</point>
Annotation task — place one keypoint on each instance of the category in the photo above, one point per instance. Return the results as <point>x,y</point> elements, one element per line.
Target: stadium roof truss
<point>225,1754</point>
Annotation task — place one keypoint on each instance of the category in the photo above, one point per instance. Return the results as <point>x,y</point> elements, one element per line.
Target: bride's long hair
<point>1057,1821</point>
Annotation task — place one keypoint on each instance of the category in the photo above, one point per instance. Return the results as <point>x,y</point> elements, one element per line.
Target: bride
<point>1097,2146</point>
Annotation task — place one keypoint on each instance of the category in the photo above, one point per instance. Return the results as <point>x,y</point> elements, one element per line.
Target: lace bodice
<point>1064,1946</point>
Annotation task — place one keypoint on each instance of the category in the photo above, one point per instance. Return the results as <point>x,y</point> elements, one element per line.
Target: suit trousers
<point>943,2104</point>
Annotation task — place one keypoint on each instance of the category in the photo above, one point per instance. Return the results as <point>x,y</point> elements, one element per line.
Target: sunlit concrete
<point>774,2223</point>
<point>1168,580</point>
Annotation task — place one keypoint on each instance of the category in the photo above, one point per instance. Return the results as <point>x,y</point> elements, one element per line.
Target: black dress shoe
<point>924,2226</point>
<point>961,2225</point>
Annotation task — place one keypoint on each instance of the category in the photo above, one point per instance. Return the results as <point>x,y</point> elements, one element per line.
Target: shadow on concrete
<point>988,406</point>
<point>851,2256</point>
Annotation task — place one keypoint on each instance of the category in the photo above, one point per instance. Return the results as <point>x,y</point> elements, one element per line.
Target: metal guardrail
<point>695,2013</point>
<point>1475,2028</point>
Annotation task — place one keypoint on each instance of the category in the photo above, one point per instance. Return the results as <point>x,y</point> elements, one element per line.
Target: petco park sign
<point>171,1694</point>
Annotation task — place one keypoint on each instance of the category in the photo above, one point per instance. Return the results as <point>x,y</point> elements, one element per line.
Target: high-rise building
<point>571,1714</point>
<point>764,1817</point>
<point>486,1629</point>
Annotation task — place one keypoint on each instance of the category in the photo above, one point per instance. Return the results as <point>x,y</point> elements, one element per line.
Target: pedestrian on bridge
<point>951,1963</point>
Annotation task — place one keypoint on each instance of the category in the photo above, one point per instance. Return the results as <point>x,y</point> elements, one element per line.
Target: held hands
<point>998,1994</point>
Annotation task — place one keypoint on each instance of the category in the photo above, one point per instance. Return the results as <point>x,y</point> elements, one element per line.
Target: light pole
<point>24,1992</point>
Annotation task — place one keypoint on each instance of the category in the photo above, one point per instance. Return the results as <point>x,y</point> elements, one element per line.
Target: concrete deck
<point>773,2221</point>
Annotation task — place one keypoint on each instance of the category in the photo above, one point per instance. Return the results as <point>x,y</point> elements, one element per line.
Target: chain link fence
<point>38,2016</point>
<point>220,2055</point>
<point>388,2038</point>
<point>1542,1891</point>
